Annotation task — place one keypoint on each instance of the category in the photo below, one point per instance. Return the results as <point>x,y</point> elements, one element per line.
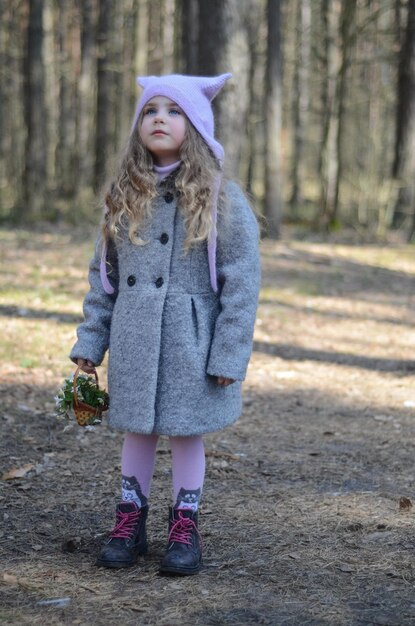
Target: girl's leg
<point>184,545</point>
<point>188,469</point>
<point>137,467</point>
<point>128,539</point>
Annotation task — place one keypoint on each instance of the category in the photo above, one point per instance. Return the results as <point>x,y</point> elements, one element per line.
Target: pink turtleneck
<point>164,171</point>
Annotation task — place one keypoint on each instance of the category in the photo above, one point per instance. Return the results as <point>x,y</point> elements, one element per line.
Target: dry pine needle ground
<point>307,515</point>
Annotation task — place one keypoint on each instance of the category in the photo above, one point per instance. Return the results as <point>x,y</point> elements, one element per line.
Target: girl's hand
<point>224,382</point>
<point>86,366</point>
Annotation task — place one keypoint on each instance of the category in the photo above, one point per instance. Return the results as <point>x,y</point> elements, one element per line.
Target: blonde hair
<point>130,197</point>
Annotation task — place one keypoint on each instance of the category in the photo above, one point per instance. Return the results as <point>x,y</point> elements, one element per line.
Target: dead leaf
<point>405,504</point>
<point>17,472</point>
<point>10,579</point>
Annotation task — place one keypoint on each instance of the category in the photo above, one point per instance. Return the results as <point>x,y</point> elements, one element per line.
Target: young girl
<point>173,294</point>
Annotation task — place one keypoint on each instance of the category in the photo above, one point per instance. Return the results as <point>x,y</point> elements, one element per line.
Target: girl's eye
<point>175,111</point>
<point>150,111</point>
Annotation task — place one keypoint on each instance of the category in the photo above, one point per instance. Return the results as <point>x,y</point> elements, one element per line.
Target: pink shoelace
<point>181,531</point>
<point>124,526</point>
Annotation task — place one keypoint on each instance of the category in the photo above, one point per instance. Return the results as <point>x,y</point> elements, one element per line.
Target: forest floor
<point>304,515</point>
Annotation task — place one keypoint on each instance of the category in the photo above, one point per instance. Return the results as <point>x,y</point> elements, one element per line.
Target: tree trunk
<point>127,69</point>
<point>327,160</point>
<point>300,97</point>
<point>347,37</point>
<point>168,36</point>
<point>273,113</point>
<point>222,48</point>
<point>5,100</point>
<point>403,168</point>
<point>35,115</point>
<point>104,135</point>
<point>118,38</point>
<point>155,61</point>
<point>189,36</point>
<point>85,129</point>
<point>67,107</point>
<point>15,116</point>
<point>336,63</point>
<point>255,28</point>
<point>141,38</point>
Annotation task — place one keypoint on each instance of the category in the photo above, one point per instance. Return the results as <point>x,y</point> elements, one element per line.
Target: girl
<point>173,294</point>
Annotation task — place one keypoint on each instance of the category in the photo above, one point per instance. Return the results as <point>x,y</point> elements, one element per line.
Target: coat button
<point>164,238</point>
<point>168,197</point>
<point>159,282</point>
<point>131,280</point>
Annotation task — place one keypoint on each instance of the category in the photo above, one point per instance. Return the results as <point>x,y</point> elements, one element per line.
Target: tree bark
<point>35,115</point>
<point>155,61</point>
<point>104,135</point>
<point>273,114</point>
<point>86,92</point>
<point>327,159</point>
<point>403,168</point>
<point>336,64</point>
<point>300,97</point>
<point>141,38</point>
<point>347,37</point>
<point>255,29</point>
<point>188,36</point>
<point>5,100</point>
<point>66,148</point>
<point>168,36</point>
<point>118,42</point>
<point>224,47</point>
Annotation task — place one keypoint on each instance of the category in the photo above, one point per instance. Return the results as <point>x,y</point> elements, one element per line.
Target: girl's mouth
<point>159,132</point>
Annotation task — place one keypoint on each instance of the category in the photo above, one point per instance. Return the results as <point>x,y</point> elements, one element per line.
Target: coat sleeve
<point>94,332</point>
<point>238,270</point>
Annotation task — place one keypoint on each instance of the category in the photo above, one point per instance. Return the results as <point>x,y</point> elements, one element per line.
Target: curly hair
<point>129,198</point>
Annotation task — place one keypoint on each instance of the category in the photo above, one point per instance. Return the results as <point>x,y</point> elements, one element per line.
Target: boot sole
<point>179,571</point>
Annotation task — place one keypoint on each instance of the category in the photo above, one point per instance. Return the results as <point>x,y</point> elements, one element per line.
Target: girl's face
<point>163,129</point>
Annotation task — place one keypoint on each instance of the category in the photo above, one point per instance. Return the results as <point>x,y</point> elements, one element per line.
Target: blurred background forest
<point>318,122</point>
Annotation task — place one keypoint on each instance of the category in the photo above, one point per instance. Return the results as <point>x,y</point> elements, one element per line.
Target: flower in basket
<point>88,403</point>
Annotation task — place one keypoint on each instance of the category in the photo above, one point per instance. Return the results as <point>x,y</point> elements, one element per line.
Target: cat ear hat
<point>193,94</point>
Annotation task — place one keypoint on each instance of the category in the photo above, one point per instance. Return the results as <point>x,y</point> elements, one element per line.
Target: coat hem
<point>174,432</point>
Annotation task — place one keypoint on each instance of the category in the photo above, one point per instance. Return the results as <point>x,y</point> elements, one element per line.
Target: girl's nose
<point>159,117</point>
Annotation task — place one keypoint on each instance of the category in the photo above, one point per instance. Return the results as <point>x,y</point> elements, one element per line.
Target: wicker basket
<point>86,415</point>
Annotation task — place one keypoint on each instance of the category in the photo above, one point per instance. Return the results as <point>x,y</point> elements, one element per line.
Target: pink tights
<point>188,461</point>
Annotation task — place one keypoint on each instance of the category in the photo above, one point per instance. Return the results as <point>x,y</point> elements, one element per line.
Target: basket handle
<point>75,378</point>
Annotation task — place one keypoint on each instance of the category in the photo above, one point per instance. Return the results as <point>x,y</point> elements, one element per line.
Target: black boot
<point>128,539</point>
<point>184,549</point>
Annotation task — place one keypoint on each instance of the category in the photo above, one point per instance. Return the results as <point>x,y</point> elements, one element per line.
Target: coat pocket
<point>194,319</point>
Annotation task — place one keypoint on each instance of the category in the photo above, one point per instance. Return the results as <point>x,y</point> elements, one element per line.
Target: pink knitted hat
<point>193,94</point>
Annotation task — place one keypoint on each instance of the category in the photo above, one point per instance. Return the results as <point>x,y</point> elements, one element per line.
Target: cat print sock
<point>188,469</point>
<point>188,499</point>
<point>131,491</point>
<point>137,465</point>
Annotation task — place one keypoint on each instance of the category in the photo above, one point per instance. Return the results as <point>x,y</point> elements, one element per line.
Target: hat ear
<point>143,81</point>
<point>213,85</point>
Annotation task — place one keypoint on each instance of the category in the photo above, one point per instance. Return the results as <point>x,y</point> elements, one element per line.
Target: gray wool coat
<point>169,334</point>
